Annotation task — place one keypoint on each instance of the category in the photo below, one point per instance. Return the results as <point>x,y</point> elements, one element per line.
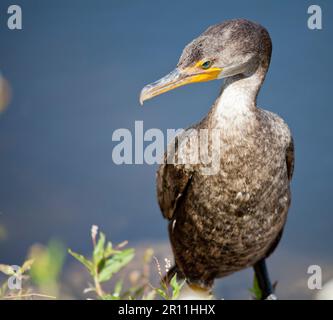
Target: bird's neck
<point>237,101</point>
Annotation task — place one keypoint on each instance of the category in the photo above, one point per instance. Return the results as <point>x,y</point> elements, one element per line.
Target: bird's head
<point>234,47</point>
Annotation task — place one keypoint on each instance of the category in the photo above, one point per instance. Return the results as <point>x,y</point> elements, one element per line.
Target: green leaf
<point>114,264</point>
<point>8,270</point>
<point>109,297</point>
<point>176,287</point>
<point>98,253</point>
<point>108,252</point>
<point>48,263</point>
<point>162,293</point>
<point>27,265</point>
<point>118,287</point>
<point>87,263</point>
<point>255,290</point>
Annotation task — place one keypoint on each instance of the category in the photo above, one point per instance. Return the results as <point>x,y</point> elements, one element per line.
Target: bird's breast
<point>250,183</point>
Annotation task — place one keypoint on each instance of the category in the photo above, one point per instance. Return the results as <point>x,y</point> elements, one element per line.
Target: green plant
<point>168,291</point>
<point>39,273</point>
<point>47,267</point>
<point>18,275</point>
<point>106,261</point>
<point>255,290</point>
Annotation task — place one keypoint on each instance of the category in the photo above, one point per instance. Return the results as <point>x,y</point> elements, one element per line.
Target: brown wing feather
<point>172,182</point>
<point>290,158</point>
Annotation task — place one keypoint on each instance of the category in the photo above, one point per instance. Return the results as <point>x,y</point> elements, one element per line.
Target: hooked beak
<point>177,78</point>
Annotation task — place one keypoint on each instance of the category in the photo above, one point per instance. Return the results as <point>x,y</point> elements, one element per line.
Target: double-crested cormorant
<point>233,219</point>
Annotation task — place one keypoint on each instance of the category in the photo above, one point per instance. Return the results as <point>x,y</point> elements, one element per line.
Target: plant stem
<point>28,295</point>
<point>98,287</point>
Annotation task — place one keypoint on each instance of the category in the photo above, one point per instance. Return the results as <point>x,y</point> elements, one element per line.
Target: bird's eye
<point>206,64</point>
